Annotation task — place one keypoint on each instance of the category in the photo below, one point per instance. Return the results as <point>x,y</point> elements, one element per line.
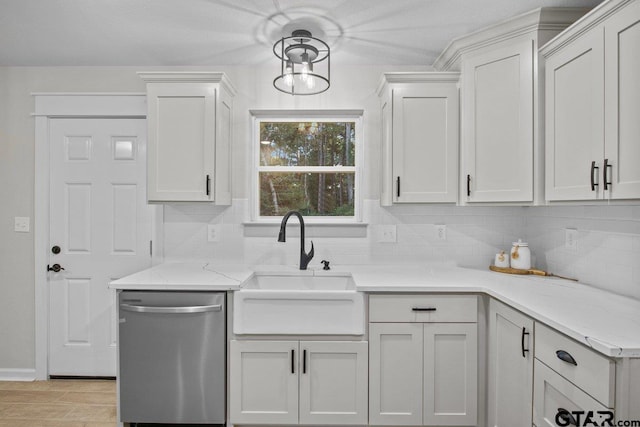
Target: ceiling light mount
<point>304,64</point>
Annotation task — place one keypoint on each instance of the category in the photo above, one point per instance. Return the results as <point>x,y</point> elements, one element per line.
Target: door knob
<point>55,268</point>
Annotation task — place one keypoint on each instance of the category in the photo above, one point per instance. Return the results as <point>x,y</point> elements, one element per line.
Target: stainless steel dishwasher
<point>172,357</point>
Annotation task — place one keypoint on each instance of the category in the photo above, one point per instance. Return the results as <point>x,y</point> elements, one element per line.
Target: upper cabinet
<point>189,136</point>
<point>420,137</point>
<point>501,149</point>
<point>592,106</point>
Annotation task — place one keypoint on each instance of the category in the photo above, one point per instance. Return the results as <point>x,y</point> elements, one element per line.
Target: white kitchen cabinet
<point>263,387</point>
<point>557,401</point>
<point>189,119</point>
<point>298,382</point>
<point>395,373</point>
<point>592,105</point>
<point>510,374</point>
<point>497,122</point>
<point>333,382</point>
<point>502,153</point>
<point>420,137</point>
<point>423,372</point>
<point>450,374</point>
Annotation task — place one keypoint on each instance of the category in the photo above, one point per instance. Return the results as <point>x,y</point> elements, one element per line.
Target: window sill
<point>312,229</point>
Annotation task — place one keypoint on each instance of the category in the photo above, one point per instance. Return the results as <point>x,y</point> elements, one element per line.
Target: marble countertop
<point>608,323</point>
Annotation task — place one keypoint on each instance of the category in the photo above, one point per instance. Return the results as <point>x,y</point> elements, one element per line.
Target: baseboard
<point>8,374</point>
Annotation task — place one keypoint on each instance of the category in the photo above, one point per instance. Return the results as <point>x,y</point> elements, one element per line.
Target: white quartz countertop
<point>608,323</point>
<point>187,276</point>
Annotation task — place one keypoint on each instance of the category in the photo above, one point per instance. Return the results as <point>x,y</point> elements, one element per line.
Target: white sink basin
<point>299,304</point>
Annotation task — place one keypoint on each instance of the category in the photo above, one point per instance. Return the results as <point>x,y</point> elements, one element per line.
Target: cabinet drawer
<point>423,308</point>
<point>552,394</point>
<point>592,372</point>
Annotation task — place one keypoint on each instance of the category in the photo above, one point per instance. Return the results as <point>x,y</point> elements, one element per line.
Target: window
<point>309,165</point>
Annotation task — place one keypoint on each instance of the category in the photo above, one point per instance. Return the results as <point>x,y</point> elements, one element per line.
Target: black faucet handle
<point>326,264</point>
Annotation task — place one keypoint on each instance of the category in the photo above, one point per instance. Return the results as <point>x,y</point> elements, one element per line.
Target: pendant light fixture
<point>304,64</point>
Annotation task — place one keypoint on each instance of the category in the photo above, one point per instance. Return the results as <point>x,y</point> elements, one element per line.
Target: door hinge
<point>150,248</point>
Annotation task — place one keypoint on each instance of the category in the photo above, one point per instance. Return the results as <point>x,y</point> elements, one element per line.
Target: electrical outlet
<point>571,239</point>
<point>441,232</point>
<point>21,224</point>
<point>213,232</point>
<point>388,234</point>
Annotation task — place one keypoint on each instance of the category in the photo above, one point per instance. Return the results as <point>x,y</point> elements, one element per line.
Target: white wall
<point>474,233</point>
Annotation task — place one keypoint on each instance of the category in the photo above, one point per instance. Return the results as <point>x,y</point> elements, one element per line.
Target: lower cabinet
<point>510,374</point>
<point>558,402</point>
<point>298,382</point>
<point>423,374</point>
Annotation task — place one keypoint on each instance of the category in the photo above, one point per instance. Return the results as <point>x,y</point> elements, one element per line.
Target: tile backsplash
<point>607,253</point>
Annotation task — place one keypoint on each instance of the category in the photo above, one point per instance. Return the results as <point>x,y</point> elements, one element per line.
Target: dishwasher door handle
<point>171,310</point>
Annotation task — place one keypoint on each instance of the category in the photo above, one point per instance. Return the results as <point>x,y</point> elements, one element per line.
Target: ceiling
<point>240,32</point>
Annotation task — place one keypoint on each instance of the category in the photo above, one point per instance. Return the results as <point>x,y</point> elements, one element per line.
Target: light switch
<point>21,224</point>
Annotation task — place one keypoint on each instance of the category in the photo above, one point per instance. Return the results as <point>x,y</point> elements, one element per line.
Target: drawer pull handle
<point>524,350</point>
<point>566,417</point>
<point>423,309</point>
<point>566,357</point>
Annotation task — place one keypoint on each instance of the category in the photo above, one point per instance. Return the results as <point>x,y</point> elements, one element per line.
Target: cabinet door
<point>181,141</point>
<point>333,382</point>
<point>263,385</point>
<point>450,374</point>
<point>510,376</point>
<point>559,402</point>
<point>425,143</point>
<point>395,374</point>
<point>574,129</point>
<point>497,124</point>
<point>622,99</point>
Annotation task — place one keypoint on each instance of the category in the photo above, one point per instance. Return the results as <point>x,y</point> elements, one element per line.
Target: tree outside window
<point>309,166</point>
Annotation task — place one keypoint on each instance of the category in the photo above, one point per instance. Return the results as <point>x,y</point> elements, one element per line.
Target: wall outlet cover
<point>441,232</point>
<point>213,232</point>
<point>388,234</point>
<point>21,224</point>
<point>571,239</point>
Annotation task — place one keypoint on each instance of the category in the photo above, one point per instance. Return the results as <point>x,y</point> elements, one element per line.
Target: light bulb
<point>288,74</point>
<point>305,66</point>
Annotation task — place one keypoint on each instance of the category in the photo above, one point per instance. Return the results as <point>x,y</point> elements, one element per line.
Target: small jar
<point>502,260</point>
<point>520,255</point>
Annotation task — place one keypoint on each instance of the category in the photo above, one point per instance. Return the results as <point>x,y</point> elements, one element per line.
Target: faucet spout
<point>305,258</point>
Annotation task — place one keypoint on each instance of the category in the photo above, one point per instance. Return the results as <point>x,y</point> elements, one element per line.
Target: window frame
<point>259,116</point>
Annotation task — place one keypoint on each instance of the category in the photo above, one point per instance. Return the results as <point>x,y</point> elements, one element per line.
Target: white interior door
<point>101,222</point>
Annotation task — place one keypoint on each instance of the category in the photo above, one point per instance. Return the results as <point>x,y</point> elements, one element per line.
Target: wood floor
<point>58,403</point>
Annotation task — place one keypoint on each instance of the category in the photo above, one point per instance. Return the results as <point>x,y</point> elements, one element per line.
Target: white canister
<point>520,255</point>
<point>502,260</point>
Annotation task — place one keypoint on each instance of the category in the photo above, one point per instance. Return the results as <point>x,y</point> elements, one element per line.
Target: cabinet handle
<point>304,361</point>
<point>605,173</point>
<point>566,357</point>
<point>594,168</point>
<point>423,309</point>
<point>398,187</point>
<point>293,356</point>
<point>468,185</point>
<point>566,417</point>
<point>208,185</point>
<point>524,350</point>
